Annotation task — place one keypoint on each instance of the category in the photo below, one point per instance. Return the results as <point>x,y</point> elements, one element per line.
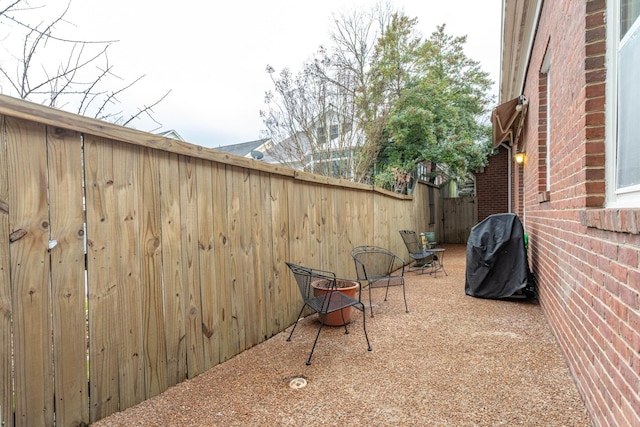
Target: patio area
<point>453,360</point>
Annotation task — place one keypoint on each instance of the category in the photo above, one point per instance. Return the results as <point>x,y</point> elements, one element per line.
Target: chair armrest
<point>316,272</point>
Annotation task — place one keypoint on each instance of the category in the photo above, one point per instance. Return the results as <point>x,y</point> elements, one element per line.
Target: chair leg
<point>438,266</point>
<point>370,303</point>
<point>364,326</point>
<point>315,342</point>
<point>296,324</point>
<point>404,295</point>
<point>344,322</point>
<point>441,263</point>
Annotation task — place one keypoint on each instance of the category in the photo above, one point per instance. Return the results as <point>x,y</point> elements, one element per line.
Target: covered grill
<point>497,265</point>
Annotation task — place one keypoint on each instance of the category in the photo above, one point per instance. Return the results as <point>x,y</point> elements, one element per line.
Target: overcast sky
<point>213,55</point>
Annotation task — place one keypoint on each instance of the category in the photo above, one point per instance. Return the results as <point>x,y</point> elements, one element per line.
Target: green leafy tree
<point>439,116</point>
<point>397,99</point>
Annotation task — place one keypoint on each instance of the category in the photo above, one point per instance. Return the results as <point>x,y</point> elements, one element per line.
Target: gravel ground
<point>453,360</point>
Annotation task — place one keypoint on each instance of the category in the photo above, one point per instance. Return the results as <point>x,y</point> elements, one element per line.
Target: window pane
<point>334,129</point>
<point>629,12</point>
<point>628,153</point>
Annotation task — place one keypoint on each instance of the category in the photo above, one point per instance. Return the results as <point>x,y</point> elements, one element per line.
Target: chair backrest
<point>411,241</point>
<point>305,276</point>
<point>374,262</point>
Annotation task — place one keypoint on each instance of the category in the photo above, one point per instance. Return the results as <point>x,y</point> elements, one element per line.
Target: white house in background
<point>326,146</point>
<point>252,149</point>
<point>171,134</point>
<point>329,143</point>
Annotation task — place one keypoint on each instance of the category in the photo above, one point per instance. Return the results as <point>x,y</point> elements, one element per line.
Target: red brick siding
<point>492,185</point>
<point>585,257</point>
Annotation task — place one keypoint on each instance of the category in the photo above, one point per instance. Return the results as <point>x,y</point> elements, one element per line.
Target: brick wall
<point>585,257</point>
<point>492,185</point>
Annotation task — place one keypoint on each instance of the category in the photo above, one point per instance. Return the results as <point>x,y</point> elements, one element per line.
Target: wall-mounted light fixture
<point>519,158</point>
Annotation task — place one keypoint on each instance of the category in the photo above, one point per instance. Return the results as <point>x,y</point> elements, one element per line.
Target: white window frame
<point>627,197</point>
<point>546,70</point>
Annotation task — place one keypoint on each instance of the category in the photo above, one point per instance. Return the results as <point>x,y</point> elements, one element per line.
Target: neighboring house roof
<point>245,149</point>
<point>171,134</point>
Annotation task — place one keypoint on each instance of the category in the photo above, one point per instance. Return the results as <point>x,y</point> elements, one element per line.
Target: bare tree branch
<point>146,110</point>
<point>78,82</point>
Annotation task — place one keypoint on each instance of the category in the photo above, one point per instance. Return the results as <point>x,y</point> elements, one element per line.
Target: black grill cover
<point>497,265</point>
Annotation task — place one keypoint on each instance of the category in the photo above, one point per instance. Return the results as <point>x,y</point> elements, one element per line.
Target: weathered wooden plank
<point>171,246</point>
<point>6,356</point>
<point>191,266</point>
<point>282,293</point>
<point>381,234</point>
<point>55,117</point>
<point>326,180</point>
<point>102,283</point>
<point>260,221</point>
<point>305,220</point>
<point>30,267</point>
<point>64,151</point>
<point>206,256</point>
<point>127,194</point>
<point>348,226</point>
<point>227,325</point>
<point>331,247</point>
<point>460,215</point>
<point>153,333</point>
<point>240,240</point>
<point>304,228</point>
<point>362,215</point>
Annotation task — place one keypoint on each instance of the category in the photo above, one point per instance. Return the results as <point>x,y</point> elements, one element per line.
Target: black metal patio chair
<point>379,267</point>
<point>424,257</point>
<point>327,300</point>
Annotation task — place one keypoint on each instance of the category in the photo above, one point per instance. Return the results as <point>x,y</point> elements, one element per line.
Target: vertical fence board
<point>328,245</point>
<point>361,212</point>
<point>102,259</point>
<point>67,277</point>
<point>206,257</point>
<point>420,212</point>
<point>260,221</point>
<point>381,233</point>
<point>459,216</point>
<point>239,235</point>
<point>30,266</point>
<point>303,229</point>
<point>173,295</point>
<point>155,354</point>
<point>126,161</point>
<point>6,379</point>
<point>282,292</point>
<point>305,225</point>
<point>191,266</point>
<point>342,222</point>
<point>245,257</point>
<point>228,344</point>
<point>347,227</point>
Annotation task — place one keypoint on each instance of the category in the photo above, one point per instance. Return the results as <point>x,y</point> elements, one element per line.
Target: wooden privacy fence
<point>130,262</point>
<point>460,214</point>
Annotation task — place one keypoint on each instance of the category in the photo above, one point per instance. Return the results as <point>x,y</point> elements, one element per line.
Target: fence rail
<point>130,262</point>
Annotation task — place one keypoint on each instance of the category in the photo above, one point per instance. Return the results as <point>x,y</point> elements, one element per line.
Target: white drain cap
<point>297,383</point>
